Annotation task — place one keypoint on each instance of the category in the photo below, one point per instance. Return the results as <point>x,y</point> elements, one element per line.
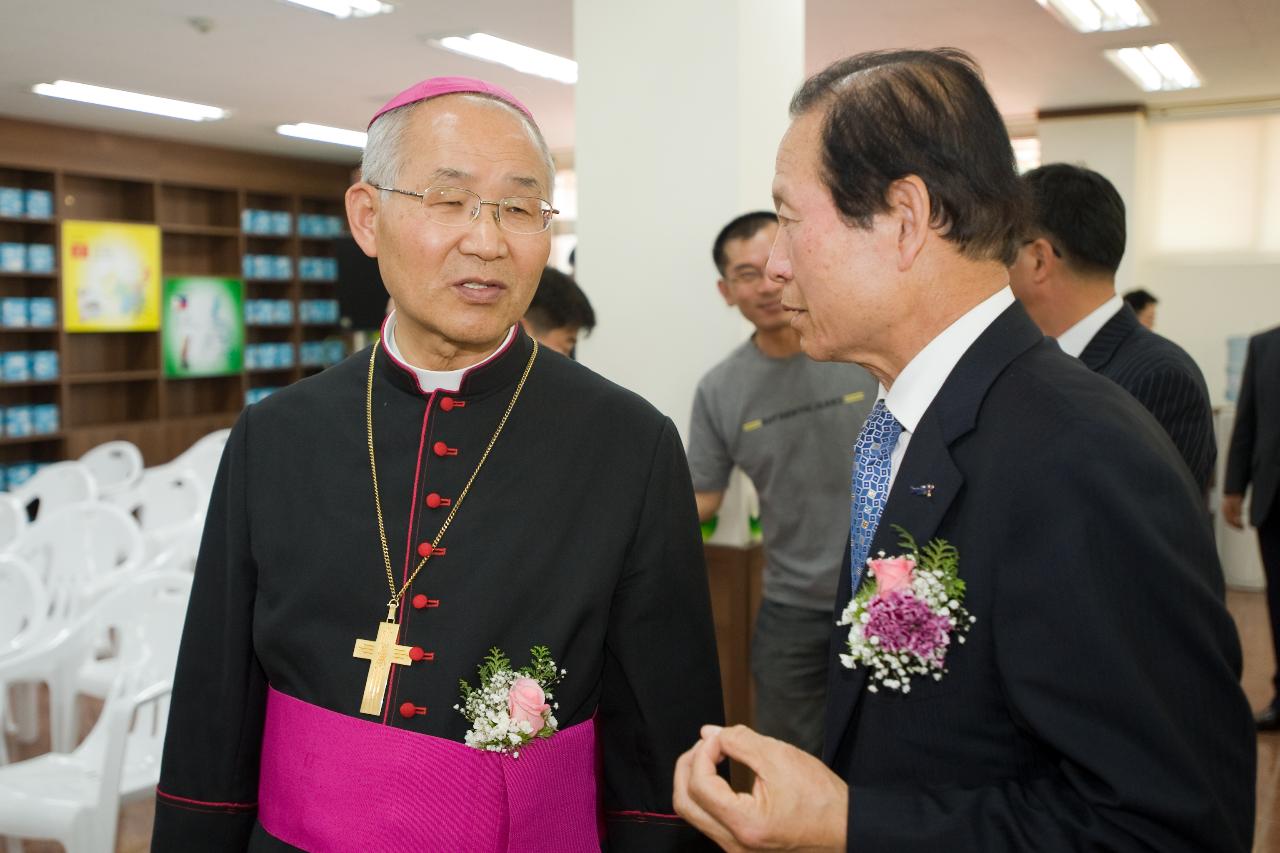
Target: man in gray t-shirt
<point>789,423</point>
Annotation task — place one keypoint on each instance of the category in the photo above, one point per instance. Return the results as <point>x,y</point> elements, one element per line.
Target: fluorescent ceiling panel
<point>1091,16</point>
<point>1155,67</point>
<point>522,58</point>
<point>120,99</point>
<point>323,133</point>
<point>345,8</point>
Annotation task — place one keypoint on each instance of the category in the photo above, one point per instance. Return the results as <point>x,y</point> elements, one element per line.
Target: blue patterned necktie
<point>871,467</point>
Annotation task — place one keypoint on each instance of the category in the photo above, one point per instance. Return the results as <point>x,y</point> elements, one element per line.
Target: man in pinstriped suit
<point>1065,277</point>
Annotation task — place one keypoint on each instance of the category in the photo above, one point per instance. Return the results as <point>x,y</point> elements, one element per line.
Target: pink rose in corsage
<point>527,703</point>
<point>905,613</point>
<point>892,573</point>
<point>511,707</point>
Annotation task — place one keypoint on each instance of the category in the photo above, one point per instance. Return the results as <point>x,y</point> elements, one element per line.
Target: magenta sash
<point>333,782</point>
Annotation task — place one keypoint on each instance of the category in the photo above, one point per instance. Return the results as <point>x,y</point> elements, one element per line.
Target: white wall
<point>680,107</point>
<point>1203,302</point>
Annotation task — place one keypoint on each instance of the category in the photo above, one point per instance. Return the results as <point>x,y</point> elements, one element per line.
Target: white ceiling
<point>272,63</point>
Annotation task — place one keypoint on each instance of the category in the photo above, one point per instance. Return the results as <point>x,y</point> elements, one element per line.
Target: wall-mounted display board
<point>202,333</point>
<point>110,277</point>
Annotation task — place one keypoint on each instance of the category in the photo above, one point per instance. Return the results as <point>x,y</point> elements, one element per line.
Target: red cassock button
<point>435,501</point>
<point>424,549</point>
<point>416,653</point>
<point>442,449</point>
<point>419,601</point>
<point>408,710</point>
<point>446,405</point>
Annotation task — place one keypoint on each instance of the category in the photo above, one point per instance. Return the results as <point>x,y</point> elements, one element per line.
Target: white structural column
<point>680,108</point>
<point>1114,145</point>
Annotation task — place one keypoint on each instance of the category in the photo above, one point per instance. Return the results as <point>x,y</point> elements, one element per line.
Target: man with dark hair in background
<point>1094,703</point>
<point>784,420</point>
<point>1143,303</point>
<point>1065,276</point>
<point>559,312</point>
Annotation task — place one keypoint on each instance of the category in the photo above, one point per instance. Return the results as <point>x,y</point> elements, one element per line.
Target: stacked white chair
<point>169,503</point>
<point>74,540</point>
<point>80,553</point>
<point>115,466</point>
<point>205,455</point>
<point>75,797</point>
<point>24,610</point>
<point>97,674</point>
<point>13,520</point>
<point>55,486</point>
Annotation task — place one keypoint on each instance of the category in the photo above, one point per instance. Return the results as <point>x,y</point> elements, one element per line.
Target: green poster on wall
<point>203,326</point>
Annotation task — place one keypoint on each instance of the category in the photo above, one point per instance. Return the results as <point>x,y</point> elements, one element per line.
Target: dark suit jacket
<point>1166,381</point>
<point>1255,441</point>
<point>1095,704</point>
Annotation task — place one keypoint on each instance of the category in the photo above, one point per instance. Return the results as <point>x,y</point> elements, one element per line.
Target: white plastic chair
<point>75,798</point>
<point>86,545</point>
<point>98,673</point>
<point>79,553</point>
<point>24,605</point>
<point>115,466</point>
<point>203,456</point>
<point>168,503</point>
<point>13,520</point>
<point>54,487</point>
<point>24,608</point>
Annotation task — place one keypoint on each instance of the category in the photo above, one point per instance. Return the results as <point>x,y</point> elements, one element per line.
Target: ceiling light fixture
<point>323,133</point>
<point>1091,16</point>
<point>518,56</point>
<point>1155,68</point>
<point>345,8</point>
<point>120,99</point>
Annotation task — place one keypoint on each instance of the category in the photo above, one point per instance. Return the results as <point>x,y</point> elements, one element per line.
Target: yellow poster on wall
<point>110,277</point>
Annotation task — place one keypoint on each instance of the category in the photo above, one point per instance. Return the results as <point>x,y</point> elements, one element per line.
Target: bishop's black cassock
<point>580,533</point>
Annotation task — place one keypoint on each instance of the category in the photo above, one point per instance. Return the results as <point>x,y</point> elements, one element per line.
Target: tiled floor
<point>1250,612</point>
<point>1248,608</point>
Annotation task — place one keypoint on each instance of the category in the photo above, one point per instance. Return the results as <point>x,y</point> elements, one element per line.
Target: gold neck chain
<point>396,597</point>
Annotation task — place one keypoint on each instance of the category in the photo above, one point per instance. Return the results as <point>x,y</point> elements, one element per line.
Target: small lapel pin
<point>926,490</point>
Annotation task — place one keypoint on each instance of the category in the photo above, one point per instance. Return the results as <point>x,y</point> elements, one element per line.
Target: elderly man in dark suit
<point>1080,687</point>
<point>1254,460</point>
<point>1065,276</point>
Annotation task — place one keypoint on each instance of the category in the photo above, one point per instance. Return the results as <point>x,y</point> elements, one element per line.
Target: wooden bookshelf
<point>111,385</point>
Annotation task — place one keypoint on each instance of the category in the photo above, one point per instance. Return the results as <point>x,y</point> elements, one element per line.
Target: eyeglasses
<point>456,208</point>
<point>1056,253</point>
<point>748,277</point>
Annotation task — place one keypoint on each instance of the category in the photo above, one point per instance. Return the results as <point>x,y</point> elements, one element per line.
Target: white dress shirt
<point>1074,340</point>
<point>919,382</point>
<point>435,380</point>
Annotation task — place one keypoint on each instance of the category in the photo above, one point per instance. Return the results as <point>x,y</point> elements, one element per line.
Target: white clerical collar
<point>1074,340</point>
<point>435,380</point>
<point>919,382</point>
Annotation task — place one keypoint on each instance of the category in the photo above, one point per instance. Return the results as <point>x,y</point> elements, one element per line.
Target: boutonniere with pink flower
<point>905,614</point>
<point>511,707</point>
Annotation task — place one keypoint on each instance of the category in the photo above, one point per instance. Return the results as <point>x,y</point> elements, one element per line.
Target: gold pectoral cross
<point>380,654</point>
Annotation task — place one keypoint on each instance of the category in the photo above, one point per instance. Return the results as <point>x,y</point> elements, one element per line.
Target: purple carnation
<point>905,623</point>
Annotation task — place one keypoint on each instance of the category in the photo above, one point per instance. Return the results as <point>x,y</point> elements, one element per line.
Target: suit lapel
<point>925,488</point>
<point>923,491</point>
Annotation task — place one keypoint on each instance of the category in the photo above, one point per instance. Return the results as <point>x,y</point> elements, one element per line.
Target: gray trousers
<point>789,651</point>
